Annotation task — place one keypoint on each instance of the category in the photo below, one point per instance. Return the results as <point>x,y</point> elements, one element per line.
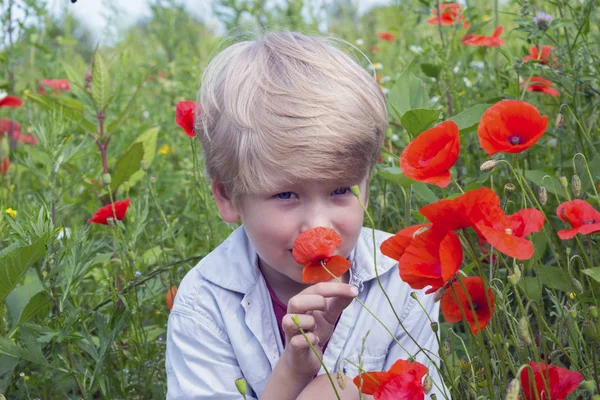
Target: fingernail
<point>354,291</point>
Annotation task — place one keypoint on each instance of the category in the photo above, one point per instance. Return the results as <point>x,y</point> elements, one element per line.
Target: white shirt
<point>222,326</point>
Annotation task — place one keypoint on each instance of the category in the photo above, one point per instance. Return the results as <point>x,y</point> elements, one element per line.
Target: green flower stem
<point>457,185</point>
<point>297,322</point>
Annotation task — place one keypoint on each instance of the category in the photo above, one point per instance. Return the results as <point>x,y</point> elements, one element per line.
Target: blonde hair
<point>286,108</point>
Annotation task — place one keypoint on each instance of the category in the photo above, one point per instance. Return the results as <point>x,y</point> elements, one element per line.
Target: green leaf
<point>100,81</point>
<point>418,120</point>
<point>536,177</point>
<point>431,70</point>
<point>148,139</point>
<point>407,93</point>
<point>128,165</point>
<point>14,265</point>
<point>38,305</point>
<point>593,273</point>
<point>32,352</point>
<point>532,288</point>
<point>395,175</point>
<point>468,120</point>
<point>18,299</point>
<point>554,277</point>
<point>423,192</point>
<point>126,111</point>
<point>69,109</point>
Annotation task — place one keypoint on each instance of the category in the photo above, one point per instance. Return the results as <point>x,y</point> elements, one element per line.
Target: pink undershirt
<point>280,310</point>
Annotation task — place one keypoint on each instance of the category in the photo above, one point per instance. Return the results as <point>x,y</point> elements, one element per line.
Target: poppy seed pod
<point>427,384</point>
<point>514,387</point>
<point>434,327</point>
<point>543,195</point>
<point>355,190</point>
<point>341,379</point>
<point>106,178</point>
<point>576,185</point>
<point>594,312</point>
<point>488,165</point>
<point>241,386</point>
<point>588,386</point>
<point>578,285</point>
<point>559,121</point>
<point>509,188</point>
<point>523,329</point>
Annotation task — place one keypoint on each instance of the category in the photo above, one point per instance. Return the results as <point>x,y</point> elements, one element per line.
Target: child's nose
<point>317,218</point>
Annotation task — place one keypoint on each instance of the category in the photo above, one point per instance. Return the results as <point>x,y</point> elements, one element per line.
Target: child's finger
<point>307,323</point>
<point>335,307</point>
<point>302,303</point>
<point>298,342</point>
<point>332,289</point>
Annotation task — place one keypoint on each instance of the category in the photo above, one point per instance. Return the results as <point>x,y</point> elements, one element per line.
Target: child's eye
<point>285,195</point>
<point>341,191</point>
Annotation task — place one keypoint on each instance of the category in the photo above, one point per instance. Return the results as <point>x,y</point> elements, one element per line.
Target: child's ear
<point>226,209</point>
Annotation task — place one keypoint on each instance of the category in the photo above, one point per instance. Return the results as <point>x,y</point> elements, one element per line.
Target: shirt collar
<point>227,266</point>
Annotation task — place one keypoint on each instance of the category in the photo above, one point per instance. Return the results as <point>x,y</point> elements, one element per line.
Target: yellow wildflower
<point>12,212</point>
<point>485,18</point>
<point>11,187</point>
<point>26,92</point>
<point>166,149</point>
<point>571,295</point>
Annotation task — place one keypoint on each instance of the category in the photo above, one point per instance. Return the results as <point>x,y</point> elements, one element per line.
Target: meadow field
<point>493,138</point>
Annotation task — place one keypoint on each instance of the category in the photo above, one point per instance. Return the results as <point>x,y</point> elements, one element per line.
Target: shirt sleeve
<point>200,361</point>
<point>416,320</point>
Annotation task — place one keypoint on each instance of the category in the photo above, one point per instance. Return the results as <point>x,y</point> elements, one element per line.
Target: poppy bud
<point>414,295</point>
<point>144,165</point>
<point>515,277</point>
<point>509,188</point>
<point>341,379</point>
<point>573,313</point>
<point>355,190</point>
<point>427,384</point>
<point>434,327</point>
<point>241,386</point>
<point>564,183</point>
<point>588,386</point>
<point>514,387</point>
<point>576,184</point>
<point>590,333</point>
<point>594,312</point>
<point>577,285</point>
<point>559,121</point>
<point>106,178</point>
<point>523,329</point>
<point>433,396</point>
<point>543,196</point>
<point>488,165</point>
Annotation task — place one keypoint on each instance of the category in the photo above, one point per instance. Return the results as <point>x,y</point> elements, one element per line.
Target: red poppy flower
<point>4,166</point>
<point>486,41</point>
<point>185,116</point>
<point>376,383</point>
<point>582,217</point>
<point>456,298</point>
<point>539,84</point>
<point>103,214</point>
<point>58,84</point>
<point>387,36</point>
<point>429,157</point>
<point>543,57</point>
<point>426,255</point>
<point>510,126</point>
<point>170,297</point>
<point>450,14</point>
<point>5,125</point>
<point>11,101</point>
<point>315,246</point>
<point>561,381</point>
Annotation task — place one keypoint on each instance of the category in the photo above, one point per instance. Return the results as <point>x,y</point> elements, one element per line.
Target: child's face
<point>273,221</point>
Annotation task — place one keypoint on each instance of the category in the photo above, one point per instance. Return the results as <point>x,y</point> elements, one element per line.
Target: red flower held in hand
<point>539,84</point>
<point>185,116</point>
<point>455,298</point>
<point>11,101</point>
<point>103,214</point>
<point>402,382</point>
<point>543,57</point>
<point>170,297</point>
<point>582,217</point>
<point>315,246</point>
<point>427,256</point>
<point>510,126</point>
<point>561,381</point>
<point>486,41</point>
<point>429,157</point>
<point>387,36</point>
<point>450,14</point>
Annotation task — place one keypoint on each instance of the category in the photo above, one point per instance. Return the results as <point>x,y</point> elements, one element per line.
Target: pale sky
<point>94,12</point>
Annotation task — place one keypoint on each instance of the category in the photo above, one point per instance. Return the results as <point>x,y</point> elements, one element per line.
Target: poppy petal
<point>395,246</point>
<point>104,213</point>
<point>315,244</point>
<point>185,114</point>
<point>512,246</point>
<point>11,101</point>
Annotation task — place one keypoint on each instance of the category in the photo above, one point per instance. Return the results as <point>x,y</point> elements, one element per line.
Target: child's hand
<point>318,308</point>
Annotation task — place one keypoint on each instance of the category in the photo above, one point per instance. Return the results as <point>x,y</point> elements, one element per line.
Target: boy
<point>289,123</point>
